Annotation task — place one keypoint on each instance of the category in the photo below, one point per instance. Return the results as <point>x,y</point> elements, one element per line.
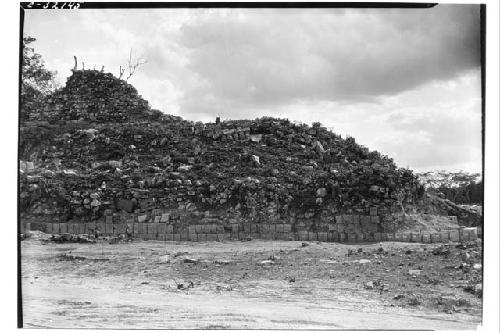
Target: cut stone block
<point>426,237</point>
<point>375,219</point>
<point>202,237</point>
<point>162,229</point>
<point>119,228</point>
<point>211,237</point>
<point>312,236</point>
<point>108,229</point>
<point>193,237</point>
<point>322,236</point>
<point>165,218</point>
<point>303,235</point>
<point>169,229</point>
<point>287,228</point>
<point>416,237</point>
<point>63,228</point>
<point>472,233</point>
<point>192,229</point>
<point>137,228</point>
<point>55,228</point>
<point>435,237</point>
<point>445,236</point>
<point>234,228</point>
<point>454,235</point>
<point>279,227</point>
<point>142,218</point>
<point>143,229</point>
<point>48,228</point>
<point>351,237</point>
<point>109,218</point>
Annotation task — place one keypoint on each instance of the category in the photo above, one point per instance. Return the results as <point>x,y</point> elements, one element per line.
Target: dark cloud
<point>264,58</point>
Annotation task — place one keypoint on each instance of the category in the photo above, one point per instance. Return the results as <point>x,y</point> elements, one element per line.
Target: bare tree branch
<point>133,64</point>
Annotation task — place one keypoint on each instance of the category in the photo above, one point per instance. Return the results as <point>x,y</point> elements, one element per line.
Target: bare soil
<point>250,285</point>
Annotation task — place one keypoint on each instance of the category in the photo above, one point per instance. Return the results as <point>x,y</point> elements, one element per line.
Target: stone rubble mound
<point>98,149</point>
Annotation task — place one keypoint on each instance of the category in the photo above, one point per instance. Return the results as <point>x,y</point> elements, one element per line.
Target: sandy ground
<point>248,285</point>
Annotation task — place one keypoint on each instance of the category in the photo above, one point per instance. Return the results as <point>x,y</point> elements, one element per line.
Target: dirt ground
<point>251,285</point>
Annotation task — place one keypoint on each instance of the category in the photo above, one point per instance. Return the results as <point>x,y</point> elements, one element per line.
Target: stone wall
<point>162,227</point>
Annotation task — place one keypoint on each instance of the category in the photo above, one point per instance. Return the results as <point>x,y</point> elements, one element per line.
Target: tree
<point>36,81</point>
<point>133,64</point>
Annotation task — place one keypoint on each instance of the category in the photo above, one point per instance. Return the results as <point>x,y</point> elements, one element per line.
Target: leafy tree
<point>37,81</point>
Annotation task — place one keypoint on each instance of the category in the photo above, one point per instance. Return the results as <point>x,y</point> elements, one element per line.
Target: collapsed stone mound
<point>95,96</point>
<point>98,150</point>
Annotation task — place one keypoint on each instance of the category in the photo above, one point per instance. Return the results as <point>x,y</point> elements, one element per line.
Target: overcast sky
<point>405,82</point>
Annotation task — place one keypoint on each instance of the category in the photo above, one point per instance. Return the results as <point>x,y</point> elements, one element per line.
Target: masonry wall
<point>166,227</point>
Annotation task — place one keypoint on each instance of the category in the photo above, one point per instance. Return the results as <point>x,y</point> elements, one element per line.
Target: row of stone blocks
<point>159,216</point>
<point>150,231</point>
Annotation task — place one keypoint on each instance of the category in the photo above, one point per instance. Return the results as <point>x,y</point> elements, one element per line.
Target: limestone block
<point>165,218</point>
<point>303,235</point>
<point>119,228</point>
<point>287,228</point>
<point>323,236</point>
<point>152,228</point>
<point>48,228</point>
<point>193,237</point>
<point>338,219</point>
<point>426,237</point>
<point>342,237</point>
<point>55,228</point>
<point>142,218</point>
<point>416,237</point>
<point>108,219</point>
<point>202,237</point>
<point>390,237</point>
<point>445,236</point>
<point>351,237</point>
<point>464,235</point>
<point>211,237</point>
<point>192,229</point>
<point>435,237</point>
<point>473,232</point>
<point>454,235</point>
<point>161,228</point>
<point>406,236</point>
<point>375,219</point>
<point>169,229</point>
<point>101,227</point>
<point>143,229</point>
<point>312,236</point>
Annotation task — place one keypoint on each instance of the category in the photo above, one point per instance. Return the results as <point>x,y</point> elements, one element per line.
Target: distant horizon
<point>404,82</point>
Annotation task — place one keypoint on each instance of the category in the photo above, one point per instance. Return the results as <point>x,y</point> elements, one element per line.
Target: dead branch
<point>76,63</point>
<point>121,72</point>
<point>134,64</point>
